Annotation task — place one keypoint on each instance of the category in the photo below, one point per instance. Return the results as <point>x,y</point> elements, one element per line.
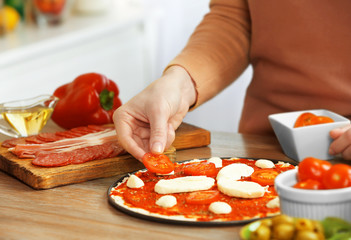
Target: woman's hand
<point>148,121</point>
<point>342,142</point>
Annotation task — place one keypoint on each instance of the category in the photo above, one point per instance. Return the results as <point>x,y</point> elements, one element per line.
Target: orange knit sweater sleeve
<point>218,50</point>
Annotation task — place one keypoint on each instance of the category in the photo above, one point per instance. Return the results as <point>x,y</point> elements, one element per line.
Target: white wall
<point>177,20</point>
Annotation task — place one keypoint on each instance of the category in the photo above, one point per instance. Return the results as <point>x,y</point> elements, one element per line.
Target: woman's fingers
<point>337,132</point>
<point>130,133</point>
<point>170,135</point>
<point>342,142</point>
<point>158,129</point>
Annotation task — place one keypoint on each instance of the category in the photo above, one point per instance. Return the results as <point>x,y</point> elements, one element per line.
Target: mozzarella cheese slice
<point>134,182</point>
<point>242,189</point>
<point>167,201</point>
<point>264,163</point>
<point>235,171</point>
<point>283,164</point>
<point>220,208</point>
<point>216,160</point>
<point>274,203</point>
<point>184,184</point>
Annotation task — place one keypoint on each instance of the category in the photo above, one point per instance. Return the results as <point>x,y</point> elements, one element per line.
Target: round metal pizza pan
<point>164,219</point>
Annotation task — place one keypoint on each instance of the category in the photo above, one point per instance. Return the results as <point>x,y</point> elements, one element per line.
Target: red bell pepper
<point>90,99</point>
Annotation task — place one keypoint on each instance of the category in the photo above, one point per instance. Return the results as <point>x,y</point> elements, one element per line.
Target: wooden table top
<point>82,211</point>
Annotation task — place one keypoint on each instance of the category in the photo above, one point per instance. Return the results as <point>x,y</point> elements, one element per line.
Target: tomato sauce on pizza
<point>241,207</point>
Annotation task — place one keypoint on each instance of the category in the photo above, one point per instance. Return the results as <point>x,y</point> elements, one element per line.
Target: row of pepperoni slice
<point>75,156</point>
<point>53,136</point>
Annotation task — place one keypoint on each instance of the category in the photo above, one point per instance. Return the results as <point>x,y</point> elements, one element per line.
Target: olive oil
<point>28,121</point>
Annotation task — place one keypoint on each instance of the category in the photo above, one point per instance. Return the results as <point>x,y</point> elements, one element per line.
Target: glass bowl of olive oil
<point>26,117</point>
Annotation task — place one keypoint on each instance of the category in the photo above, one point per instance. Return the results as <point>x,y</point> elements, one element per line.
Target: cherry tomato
<point>304,119</point>
<point>338,176</point>
<point>312,168</point>
<point>202,197</point>
<point>264,176</point>
<point>321,119</point>
<point>202,168</point>
<point>158,163</point>
<point>309,184</point>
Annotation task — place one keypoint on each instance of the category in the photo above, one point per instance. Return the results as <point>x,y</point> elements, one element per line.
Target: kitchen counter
<point>82,211</point>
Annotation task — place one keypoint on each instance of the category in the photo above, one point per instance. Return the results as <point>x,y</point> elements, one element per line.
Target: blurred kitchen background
<point>47,43</point>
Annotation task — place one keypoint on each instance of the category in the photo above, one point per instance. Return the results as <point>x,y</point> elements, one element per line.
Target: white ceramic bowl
<point>313,204</point>
<point>308,141</point>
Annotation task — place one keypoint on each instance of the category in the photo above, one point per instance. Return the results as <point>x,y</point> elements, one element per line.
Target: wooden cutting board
<point>187,136</point>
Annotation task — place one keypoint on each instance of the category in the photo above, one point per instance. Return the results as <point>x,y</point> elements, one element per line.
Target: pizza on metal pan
<point>206,190</point>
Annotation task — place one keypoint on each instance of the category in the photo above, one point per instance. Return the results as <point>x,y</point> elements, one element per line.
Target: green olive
<point>318,228</point>
<point>283,231</point>
<point>261,233</point>
<point>304,224</point>
<point>306,235</point>
<point>282,219</point>
<point>266,222</point>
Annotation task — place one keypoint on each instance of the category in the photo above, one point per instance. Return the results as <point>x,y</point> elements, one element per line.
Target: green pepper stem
<point>106,99</point>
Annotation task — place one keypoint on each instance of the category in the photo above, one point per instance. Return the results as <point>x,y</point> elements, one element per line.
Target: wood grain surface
<point>190,136</point>
<point>187,136</point>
